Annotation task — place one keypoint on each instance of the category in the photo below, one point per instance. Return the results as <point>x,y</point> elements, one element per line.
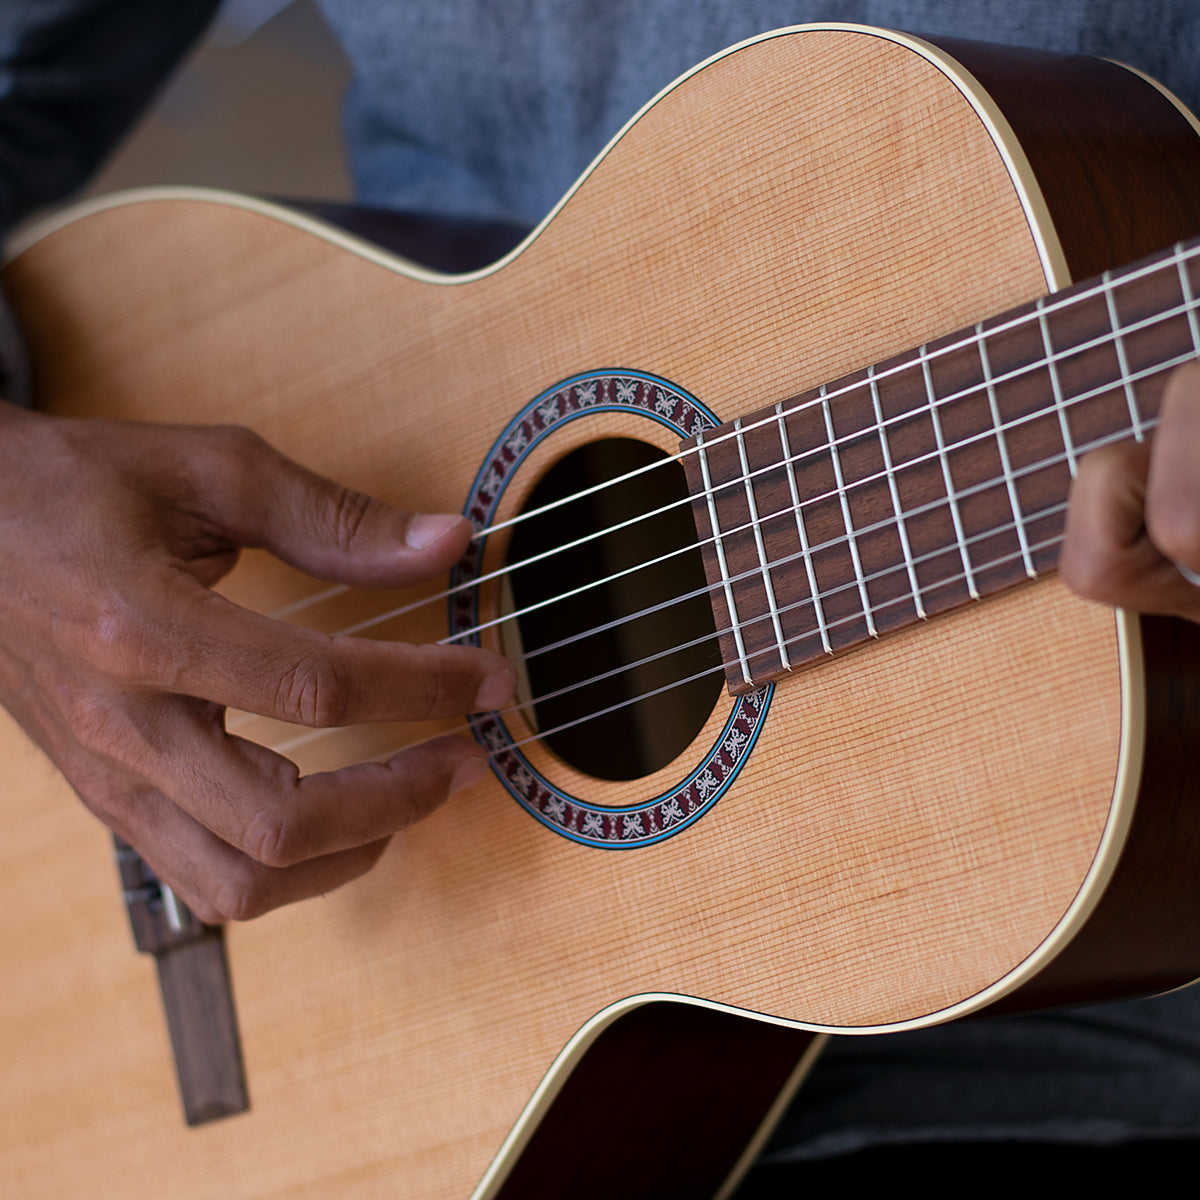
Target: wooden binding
<point>662,1074</point>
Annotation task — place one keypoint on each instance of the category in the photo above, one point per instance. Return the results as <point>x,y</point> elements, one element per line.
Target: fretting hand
<point>119,659</point>
<point>1134,516</point>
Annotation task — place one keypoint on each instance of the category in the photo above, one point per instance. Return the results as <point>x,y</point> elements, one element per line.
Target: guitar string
<point>1041,514</point>
<point>928,556</point>
<point>865,432</point>
<point>313,735</point>
<point>540,735</point>
<point>1104,288</point>
<point>1066,457</point>
<point>834,543</point>
<point>1047,307</point>
<point>808,502</point>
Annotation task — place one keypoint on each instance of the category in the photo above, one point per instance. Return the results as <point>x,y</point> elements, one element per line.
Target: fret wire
<point>1010,485</point>
<point>768,586</point>
<point>836,459</point>
<point>901,523</point>
<point>1114,322</point>
<point>1060,406</point>
<point>720,551</point>
<point>801,529</point>
<point>925,357</point>
<point>929,506</point>
<point>947,479</point>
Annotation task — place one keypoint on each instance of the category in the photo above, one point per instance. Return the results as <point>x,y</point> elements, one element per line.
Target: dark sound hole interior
<point>638,655</point>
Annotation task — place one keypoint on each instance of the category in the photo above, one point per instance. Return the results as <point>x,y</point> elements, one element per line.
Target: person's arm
<point>119,660</point>
<point>115,654</point>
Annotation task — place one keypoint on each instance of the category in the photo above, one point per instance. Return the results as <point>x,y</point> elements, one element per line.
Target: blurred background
<point>256,109</point>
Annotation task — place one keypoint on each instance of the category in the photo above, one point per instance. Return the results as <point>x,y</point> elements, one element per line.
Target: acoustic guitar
<point>811,739</point>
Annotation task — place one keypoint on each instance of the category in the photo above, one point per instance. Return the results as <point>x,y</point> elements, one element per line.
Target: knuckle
<point>237,459</point>
<point>315,691</point>
<point>206,911</point>
<point>1093,576</point>
<point>104,799</point>
<point>97,724</point>
<point>241,896</point>
<point>240,446</point>
<point>1174,528</point>
<point>348,515</point>
<point>274,838</point>
<point>110,639</point>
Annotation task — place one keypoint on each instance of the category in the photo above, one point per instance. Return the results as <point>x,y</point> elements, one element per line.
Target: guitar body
<point>991,810</point>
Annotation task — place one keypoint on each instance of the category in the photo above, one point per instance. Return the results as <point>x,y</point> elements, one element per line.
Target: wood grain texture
<point>914,821</point>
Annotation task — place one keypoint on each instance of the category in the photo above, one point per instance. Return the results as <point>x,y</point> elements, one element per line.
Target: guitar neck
<point>932,479</point>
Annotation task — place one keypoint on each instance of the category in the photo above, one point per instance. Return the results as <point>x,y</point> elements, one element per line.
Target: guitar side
<point>906,841</point>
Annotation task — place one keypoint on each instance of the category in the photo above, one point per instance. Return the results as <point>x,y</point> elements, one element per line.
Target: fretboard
<point>930,480</point>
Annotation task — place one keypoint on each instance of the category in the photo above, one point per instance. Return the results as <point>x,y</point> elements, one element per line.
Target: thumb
<point>331,531</point>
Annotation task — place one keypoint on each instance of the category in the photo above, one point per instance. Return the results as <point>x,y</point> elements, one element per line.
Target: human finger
<point>1108,554</point>
<point>256,800</point>
<point>175,635</point>
<point>259,497</point>
<point>220,883</point>
<point>1173,485</point>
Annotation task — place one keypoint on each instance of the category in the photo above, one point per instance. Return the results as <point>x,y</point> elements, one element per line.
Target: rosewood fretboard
<point>932,479</point>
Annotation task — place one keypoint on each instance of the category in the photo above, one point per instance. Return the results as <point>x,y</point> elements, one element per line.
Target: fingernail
<point>469,773</point>
<point>428,528</point>
<point>495,690</point>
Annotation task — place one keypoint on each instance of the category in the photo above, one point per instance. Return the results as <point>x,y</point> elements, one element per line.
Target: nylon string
<point>1048,307</point>
<point>1187,308</point>
<point>1052,510</point>
<point>1104,288</point>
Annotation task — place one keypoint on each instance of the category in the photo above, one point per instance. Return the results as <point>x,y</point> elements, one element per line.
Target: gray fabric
<point>1102,1075</point>
<point>73,76</point>
<point>493,109</point>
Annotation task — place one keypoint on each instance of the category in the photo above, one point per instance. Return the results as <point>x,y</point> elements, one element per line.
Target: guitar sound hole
<point>619,661</point>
